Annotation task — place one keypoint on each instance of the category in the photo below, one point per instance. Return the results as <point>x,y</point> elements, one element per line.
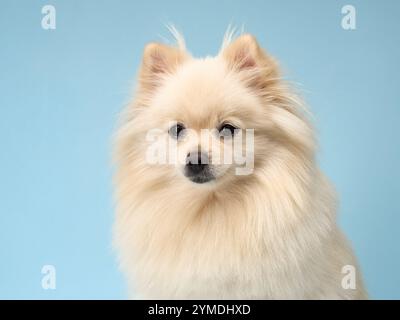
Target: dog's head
<point>209,121</point>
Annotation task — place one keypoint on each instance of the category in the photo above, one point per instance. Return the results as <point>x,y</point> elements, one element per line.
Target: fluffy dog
<point>194,227</point>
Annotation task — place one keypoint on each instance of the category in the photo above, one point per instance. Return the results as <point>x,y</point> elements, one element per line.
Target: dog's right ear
<point>159,60</point>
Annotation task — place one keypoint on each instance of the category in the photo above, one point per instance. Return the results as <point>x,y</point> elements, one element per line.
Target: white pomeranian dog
<point>190,226</point>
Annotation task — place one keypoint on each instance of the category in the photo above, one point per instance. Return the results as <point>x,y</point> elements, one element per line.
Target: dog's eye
<point>227,130</point>
<point>176,131</point>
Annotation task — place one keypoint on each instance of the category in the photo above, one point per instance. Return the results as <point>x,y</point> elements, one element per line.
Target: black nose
<point>196,164</point>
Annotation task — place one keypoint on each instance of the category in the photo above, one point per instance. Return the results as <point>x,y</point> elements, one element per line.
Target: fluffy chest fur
<point>246,246</point>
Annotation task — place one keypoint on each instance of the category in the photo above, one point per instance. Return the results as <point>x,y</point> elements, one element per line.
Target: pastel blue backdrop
<point>61,91</point>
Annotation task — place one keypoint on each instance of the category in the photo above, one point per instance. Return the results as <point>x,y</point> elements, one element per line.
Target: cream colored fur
<point>268,235</point>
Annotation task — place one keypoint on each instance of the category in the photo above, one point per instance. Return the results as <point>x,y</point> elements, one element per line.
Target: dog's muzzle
<point>197,168</point>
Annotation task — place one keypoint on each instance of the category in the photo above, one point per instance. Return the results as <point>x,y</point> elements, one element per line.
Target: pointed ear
<point>246,56</point>
<point>158,61</point>
<point>242,53</point>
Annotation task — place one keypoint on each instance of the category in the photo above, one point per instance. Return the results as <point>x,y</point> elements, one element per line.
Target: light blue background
<point>60,92</point>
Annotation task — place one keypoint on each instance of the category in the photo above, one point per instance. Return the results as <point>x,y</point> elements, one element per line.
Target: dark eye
<point>227,130</point>
<point>176,130</point>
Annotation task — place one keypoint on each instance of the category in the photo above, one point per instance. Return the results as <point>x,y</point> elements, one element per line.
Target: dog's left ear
<point>245,56</point>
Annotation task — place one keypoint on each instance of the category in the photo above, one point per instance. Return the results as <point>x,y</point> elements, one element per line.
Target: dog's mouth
<point>199,173</point>
<point>201,178</point>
